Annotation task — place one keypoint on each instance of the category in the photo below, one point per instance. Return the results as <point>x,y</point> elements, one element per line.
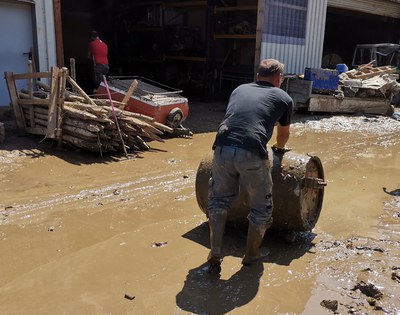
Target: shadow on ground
<point>205,293</point>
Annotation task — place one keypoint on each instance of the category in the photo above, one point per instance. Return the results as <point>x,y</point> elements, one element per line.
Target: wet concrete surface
<point>81,234</point>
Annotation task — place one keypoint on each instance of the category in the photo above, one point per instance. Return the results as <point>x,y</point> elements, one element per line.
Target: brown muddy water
<point>81,234</point>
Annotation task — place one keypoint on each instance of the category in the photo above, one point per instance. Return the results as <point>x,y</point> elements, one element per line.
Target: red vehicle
<point>150,98</point>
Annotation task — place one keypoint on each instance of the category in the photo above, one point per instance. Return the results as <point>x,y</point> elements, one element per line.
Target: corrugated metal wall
<point>298,57</point>
<point>378,7</point>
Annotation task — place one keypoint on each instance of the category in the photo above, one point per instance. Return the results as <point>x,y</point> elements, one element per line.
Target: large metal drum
<point>297,192</point>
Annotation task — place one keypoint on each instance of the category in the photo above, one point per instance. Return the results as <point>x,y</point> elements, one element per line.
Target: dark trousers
<point>98,72</point>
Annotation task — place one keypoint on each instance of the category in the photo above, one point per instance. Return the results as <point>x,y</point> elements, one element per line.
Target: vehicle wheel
<point>175,118</point>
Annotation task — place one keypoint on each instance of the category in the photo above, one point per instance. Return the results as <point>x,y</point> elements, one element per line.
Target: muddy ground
<point>81,234</point>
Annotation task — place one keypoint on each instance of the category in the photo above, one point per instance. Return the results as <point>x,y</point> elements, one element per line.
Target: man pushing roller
<point>241,157</point>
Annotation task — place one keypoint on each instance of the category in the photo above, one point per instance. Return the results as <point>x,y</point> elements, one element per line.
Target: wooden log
<point>91,126</point>
<point>74,97</point>
<point>107,106</point>
<point>36,108</point>
<point>52,121</point>
<point>73,71</point>
<point>130,92</point>
<point>80,114</point>
<point>36,94</point>
<point>141,143</point>
<point>43,86</point>
<point>80,143</point>
<point>163,127</point>
<point>80,132</point>
<point>150,136</point>
<point>141,124</point>
<point>94,109</point>
<point>40,116</point>
<point>80,91</point>
<point>38,121</point>
<point>60,105</point>
<point>132,144</point>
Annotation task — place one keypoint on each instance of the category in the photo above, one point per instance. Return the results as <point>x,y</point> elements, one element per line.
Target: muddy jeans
<point>234,167</point>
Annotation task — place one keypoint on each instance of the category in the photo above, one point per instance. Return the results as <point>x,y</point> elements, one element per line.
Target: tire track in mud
<point>135,192</point>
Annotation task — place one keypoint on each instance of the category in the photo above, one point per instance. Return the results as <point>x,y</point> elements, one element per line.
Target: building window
<point>285,21</point>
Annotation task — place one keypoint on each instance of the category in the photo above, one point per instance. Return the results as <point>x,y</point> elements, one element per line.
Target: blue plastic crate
<point>324,80</point>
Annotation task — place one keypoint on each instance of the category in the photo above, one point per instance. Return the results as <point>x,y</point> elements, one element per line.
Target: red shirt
<point>98,50</point>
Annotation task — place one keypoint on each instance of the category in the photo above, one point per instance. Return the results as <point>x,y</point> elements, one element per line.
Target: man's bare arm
<point>282,136</point>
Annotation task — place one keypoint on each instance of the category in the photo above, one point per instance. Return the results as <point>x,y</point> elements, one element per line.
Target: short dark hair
<point>269,67</point>
<point>93,34</point>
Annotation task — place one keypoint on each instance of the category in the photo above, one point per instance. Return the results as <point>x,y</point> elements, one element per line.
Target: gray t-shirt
<point>251,114</point>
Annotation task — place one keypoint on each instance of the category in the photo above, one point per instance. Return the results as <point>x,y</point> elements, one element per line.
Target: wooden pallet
<point>34,114</point>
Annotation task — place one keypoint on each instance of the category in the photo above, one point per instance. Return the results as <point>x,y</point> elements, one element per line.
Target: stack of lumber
<point>76,119</point>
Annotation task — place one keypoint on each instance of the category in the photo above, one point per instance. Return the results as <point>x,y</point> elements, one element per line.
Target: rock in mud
<point>369,289</point>
<point>330,304</point>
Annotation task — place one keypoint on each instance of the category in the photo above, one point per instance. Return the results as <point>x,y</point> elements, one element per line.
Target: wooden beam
<point>12,90</point>
<point>27,76</point>
<point>52,122</point>
<point>59,33</point>
<point>131,90</point>
<point>259,29</point>
<point>80,91</point>
<point>351,105</point>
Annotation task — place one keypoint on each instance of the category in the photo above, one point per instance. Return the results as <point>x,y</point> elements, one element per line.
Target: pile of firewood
<point>93,127</point>
<point>71,116</point>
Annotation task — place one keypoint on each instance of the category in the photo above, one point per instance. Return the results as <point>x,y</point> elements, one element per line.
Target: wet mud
<point>81,234</point>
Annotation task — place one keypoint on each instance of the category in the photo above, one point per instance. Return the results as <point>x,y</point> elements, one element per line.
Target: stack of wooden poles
<point>74,118</point>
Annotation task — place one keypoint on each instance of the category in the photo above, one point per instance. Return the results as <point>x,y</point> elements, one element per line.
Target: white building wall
<point>46,38</point>
<point>297,57</point>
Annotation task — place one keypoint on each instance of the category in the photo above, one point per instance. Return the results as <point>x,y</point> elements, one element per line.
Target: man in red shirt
<point>98,54</point>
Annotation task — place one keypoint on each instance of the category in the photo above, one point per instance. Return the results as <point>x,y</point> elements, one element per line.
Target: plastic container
<point>324,80</point>
<point>341,67</point>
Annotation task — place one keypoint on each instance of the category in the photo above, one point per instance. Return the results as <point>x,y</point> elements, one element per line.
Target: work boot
<point>216,221</point>
<point>255,236</point>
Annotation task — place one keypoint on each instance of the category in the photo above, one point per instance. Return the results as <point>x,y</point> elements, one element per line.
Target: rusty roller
<point>297,193</point>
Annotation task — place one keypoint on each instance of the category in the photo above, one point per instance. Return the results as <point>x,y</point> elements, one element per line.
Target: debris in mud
<point>129,297</point>
<point>330,304</point>
<point>395,192</point>
<point>4,211</point>
<point>369,289</point>
<point>377,125</point>
<point>159,244</point>
<point>396,274</point>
